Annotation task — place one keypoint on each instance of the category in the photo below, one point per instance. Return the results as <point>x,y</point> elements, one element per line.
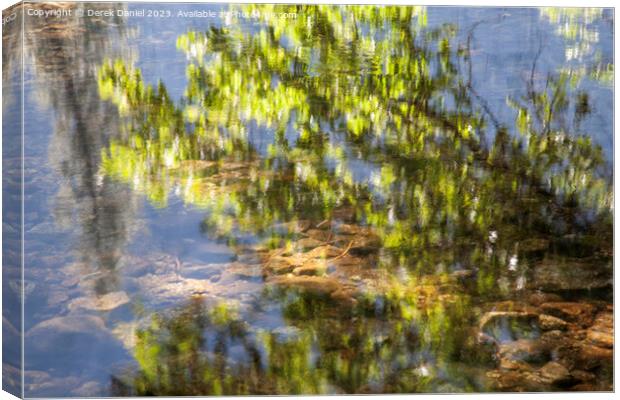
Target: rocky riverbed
<point>534,339</point>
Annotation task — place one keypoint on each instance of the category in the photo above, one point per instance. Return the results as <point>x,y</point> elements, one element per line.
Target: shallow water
<point>355,200</point>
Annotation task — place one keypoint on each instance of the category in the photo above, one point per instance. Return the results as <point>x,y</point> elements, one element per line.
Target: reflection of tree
<point>352,115</point>
<point>391,343</point>
<point>63,56</point>
<point>579,27</point>
<point>574,166</point>
<point>343,93</point>
<point>188,354</point>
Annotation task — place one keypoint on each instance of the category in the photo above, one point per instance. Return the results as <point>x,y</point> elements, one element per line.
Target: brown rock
<point>347,229</point>
<point>535,383</point>
<point>311,284</point>
<point>324,252</point>
<point>281,265</point>
<point>555,373</point>
<point>539,298</point>
<point>509,364</point>
<point>580,313</point>
<point>601,333</point>
<point>570,274</point>
<point>349,261</point>
<point>319,234</point>
<point>345,296</point>
<point>583,376</point>
<point>531,351</point>
<point>549,323</point>
<point>584,387</point>
<point>589,356</point>
<point>311,268</point>
<point>359,239</point>
<point>516,381</point>
<point>495,315</point>
<point>601,339</point>
<point>557,341</point>
<point>308,243</point>
<point>506,380</point>
<point>552,335</point>
<point>604,322</point>
<point>365,244</point>
<point>516,306</point>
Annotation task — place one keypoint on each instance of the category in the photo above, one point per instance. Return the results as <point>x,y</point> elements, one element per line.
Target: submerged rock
<point>312,267</point>
<point>539,298</point>
<point>555,373</point>
<point>507,326</point>
<point>74,341</point>
<point>530,351</point>
<point>550,323</point>
<point>324,252</point>
<point>243,271</point>
<point>318,286</point>
<point>583,376</point>
<point>311,284</point>
<point>517,365</point>
<point>281,265</point>
<point>580,313</point>
<point>589,357</point>
<point>601,333</point>
<point>345,296</point>
<point>358,240</point>
<point>308,243</point>
<point>292,226</point>
<point>365,245</point>
<point>515,306</point>
<point>319,234</point>
<point>515,381</point>
<point>106,302</point>
<point>602,339</point>
<point>562,275</point>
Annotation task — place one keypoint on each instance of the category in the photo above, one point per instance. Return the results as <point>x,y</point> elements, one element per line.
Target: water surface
<point>302,199</point>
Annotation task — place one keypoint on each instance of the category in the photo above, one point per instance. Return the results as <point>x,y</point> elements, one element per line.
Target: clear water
<point>331,203</point>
